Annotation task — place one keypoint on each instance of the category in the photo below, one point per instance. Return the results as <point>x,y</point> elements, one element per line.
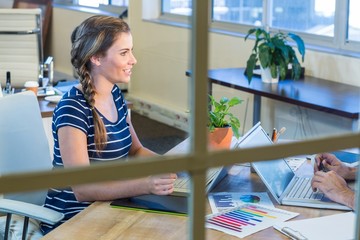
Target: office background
<point>160,47</point>
<point>163,53</point>
<point>159,88</point>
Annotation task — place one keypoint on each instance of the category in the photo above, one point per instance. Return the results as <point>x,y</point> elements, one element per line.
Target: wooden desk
<point>100,221</point>
<point>314,93</point>
<point>46,107</point>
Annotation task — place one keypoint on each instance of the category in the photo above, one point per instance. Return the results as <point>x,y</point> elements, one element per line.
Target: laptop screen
<point>276,174</point>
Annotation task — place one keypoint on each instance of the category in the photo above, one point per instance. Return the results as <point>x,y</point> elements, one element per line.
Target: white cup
<point>32,86</point>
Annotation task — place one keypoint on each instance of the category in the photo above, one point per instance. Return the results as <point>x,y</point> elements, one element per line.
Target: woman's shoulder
<point>72,95</point>
<point>73,98</point>
<point>116,90</point>
<point>117,93</point>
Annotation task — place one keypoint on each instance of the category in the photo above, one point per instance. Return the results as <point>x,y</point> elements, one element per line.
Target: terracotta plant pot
<point>220,138</point>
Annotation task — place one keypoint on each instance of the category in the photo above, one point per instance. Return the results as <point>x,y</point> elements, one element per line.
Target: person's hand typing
<point>329,162</point>
<point>161,184</point>
<point>333,186</point>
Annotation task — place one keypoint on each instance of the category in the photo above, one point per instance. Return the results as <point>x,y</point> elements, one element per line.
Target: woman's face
<point>117,64</point>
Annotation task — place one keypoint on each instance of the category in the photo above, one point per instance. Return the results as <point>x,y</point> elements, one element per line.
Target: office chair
<point>46,12</point>
<point>23,148</point>
<point>21,49</point>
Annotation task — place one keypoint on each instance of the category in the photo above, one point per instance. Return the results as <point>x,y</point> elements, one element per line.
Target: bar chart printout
<point>222,201</point>
<point>247,219</point>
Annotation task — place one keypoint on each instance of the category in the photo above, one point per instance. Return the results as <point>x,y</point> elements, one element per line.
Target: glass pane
<point>315,17</point>
<point>124,3</point>
<point>93,3</point>
<point>354,21</point>
<point>235,11</point>
<point>181,7</point>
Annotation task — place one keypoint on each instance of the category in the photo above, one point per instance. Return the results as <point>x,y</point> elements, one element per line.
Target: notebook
<point>154,203</point>
<point>286,187</point>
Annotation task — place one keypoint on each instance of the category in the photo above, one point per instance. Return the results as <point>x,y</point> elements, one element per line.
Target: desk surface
<point>318,94</point>
<point>46,107</point>
<point>100,221</point>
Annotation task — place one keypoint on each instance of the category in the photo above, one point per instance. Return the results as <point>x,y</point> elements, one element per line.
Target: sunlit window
<point>246,12</point>
<point>354,21</point>
<point>92,3</point>
<point>181,7</point>
<point>95,3</point>
<point>297,16</point>
<point>314,20</point>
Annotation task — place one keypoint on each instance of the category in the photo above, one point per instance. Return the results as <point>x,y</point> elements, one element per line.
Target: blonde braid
<point>89,91</point>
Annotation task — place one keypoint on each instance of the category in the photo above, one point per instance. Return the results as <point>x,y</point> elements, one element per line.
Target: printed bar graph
<point>247,219</point>
<point>224,201</point>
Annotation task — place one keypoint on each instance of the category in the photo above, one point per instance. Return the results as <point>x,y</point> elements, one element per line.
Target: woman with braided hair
<point>91,122</point>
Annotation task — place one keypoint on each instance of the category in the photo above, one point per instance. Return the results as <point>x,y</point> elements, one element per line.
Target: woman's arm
<point>73,149</point>
<point>137,149</point>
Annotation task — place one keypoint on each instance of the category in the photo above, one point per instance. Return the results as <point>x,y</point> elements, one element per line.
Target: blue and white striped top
<point>73,111</point>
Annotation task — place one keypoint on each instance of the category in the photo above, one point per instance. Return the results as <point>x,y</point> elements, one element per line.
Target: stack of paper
<point>334,227</point>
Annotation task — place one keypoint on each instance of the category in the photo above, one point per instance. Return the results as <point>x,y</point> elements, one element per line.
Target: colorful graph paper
<point>222,201</point>
<point>247,219</point>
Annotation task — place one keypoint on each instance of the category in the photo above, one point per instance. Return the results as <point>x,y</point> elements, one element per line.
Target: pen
<point>293,234</point>
<point>322,167</point>
<point>8,82</point>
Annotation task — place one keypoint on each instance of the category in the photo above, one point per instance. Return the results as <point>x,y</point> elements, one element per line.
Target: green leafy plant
<point>273,51</point>
<point>219,115</point>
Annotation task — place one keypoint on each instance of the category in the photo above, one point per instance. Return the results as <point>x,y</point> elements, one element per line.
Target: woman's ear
<point>95,60</point>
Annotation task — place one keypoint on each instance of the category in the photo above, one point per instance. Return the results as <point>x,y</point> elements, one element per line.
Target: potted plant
<point>274,52</point>
<point>223,125</point>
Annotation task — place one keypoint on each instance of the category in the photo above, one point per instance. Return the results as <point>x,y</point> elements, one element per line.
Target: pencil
<point>274,135</point>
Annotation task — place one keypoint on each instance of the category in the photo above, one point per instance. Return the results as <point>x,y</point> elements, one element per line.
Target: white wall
<point>63,22</point>
<point>163,54</point>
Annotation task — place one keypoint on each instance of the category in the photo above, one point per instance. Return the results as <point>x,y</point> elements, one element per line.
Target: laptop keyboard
<point>182,182</point>
<point>303,190</point>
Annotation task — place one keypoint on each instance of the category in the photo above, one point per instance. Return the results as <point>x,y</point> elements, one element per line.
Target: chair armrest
<point>33,211</point>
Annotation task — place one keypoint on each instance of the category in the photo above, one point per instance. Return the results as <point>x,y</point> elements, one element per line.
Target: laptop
<point>176,202</point>
<point>284,185</point>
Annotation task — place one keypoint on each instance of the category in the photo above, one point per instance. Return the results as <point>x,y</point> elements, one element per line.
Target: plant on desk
<point>275,55</point>
<point>223,125</point>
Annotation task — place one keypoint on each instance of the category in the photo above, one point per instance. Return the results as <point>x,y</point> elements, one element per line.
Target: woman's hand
<point>161,184</point>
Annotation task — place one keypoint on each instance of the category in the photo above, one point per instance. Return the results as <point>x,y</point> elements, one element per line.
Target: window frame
<point>76,3</point>
<point>335,45</point>
<point>197,161</point>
